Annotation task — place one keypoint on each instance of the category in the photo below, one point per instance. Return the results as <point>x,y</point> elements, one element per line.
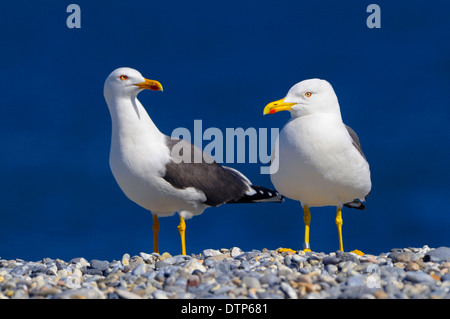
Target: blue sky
<point>220,63</point>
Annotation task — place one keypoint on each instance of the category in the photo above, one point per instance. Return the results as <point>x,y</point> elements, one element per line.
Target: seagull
<point>162,174</point>
<point>319,161</point>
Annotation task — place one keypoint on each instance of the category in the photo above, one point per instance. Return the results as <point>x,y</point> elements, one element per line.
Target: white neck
<point>138,148</point>
<point>128,115</point>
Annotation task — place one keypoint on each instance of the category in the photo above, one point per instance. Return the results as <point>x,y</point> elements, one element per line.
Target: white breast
<point>138,157</point>
<point>318,164</point>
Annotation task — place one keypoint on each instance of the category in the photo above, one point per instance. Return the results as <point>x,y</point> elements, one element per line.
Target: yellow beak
<point>150,85</point>
<point>277,106</point>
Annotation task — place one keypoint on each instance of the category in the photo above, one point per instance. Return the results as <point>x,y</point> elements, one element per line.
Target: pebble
<point>101,265</point>
<point>333,260</point>
<point>446,277</point>
<point>402,273</point>
<point>140,270</point>
<point>251,282</point>
<point>125,294</point>
<point>235,251</point>
<point>288,290</point>
<point>419,277</point>
<point>355,281</point>
<point>400,256</point>
<point>211,252</point>
<point>126,259</point>
<point>270,280</point>
<point>331,269</point>
<point>412,266</point>
<point>441,254</point>
<point>160,294</point>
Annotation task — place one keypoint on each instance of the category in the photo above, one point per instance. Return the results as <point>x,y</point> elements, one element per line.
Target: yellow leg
<point>182,229</point>
<point>155,228</point>
<point>307,220</point>
<point>339,223</point>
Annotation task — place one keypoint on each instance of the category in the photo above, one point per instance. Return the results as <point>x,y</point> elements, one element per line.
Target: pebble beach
<point>403,273</point>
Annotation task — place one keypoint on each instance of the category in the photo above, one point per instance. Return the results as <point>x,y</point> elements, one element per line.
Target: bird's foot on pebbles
<point>357,252</point>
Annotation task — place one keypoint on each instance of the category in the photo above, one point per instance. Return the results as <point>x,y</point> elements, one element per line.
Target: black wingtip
<point>356,204</point>
<point>261,195</point>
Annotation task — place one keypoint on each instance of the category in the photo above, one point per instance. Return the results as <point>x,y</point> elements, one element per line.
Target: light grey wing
<point>355,139</point>
<point>356,203</point>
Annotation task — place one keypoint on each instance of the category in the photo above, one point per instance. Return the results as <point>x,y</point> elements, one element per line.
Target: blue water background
<point>219,62</point>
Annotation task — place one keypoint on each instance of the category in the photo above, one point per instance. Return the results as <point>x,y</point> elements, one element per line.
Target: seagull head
<point>128,82</point>
<point>307,97</point>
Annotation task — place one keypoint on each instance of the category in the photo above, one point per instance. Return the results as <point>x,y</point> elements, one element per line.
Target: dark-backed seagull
<point>155,176</point>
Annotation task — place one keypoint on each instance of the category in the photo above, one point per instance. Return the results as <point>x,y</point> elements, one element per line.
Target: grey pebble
<point>38,267</point>
<point>333,260</point>
<point>160,294</point>
<point>298,259</point>
<point>440,254</point>
<point>51,269</point>
<point>343,256</point>
<point>445,277</point>
<point>232,273</point>
<point>355,281</point>
<point>355,292</point>
<point>125,294</point>
<point>139,270</point>
<point>223,267</point>
<point>79,261</point>
<point>313,260</point>
<point>331,269</point>
<point>270,280</point>
<point>287,261</point>
<point>251,282</point>
<point>81,293</point>
<point>400,256</point>
<point>345,266</point>
<point>20,270</point>
<point>211,252</point>
<point>101,265</point>
<point>419,277</point>
<point>175,260</point>
<point>235,251</point>
<point>288,290</point>
<point>161,264</point>
<point>146,257</point>
<point>91,271</point>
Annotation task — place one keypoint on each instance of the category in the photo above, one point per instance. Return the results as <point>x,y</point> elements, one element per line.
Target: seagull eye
<point>308,94</point>
<point>123,77</point>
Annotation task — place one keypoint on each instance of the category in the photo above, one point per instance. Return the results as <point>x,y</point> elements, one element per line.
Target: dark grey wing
<point>355,139</point>
<point>219,185</point>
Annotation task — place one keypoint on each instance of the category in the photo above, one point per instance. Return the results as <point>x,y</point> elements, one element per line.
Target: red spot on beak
<point>272,111</point>
<point>154,87</point>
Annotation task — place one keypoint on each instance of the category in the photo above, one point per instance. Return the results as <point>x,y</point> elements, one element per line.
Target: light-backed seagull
<point>320,160</point>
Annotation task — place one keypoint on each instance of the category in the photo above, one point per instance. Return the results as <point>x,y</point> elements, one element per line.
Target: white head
<point>307,97</point>
<point>127,83</point>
